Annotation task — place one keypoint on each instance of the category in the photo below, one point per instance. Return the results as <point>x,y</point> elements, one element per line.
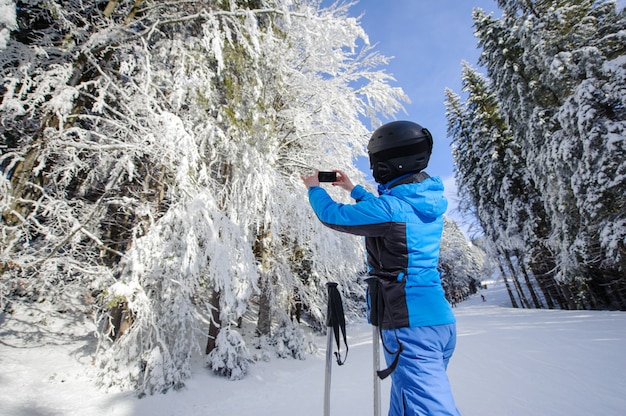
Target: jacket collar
<point>385,189</point>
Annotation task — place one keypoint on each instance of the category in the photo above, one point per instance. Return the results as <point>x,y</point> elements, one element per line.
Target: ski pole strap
<point>383,374</point>
<point>378,300</point>
<point>335,317</point>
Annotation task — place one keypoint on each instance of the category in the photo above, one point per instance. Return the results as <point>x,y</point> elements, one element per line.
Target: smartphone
<point>327,176</point>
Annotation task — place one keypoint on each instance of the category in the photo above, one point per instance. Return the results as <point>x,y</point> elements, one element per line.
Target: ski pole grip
<point>330,287</point>
<point>336,319</point>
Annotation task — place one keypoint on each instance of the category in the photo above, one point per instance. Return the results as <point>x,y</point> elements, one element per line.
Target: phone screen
<point>327,176</point>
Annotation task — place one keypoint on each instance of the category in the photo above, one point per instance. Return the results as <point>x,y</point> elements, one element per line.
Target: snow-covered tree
<point>462,264</point>
<point>556,72</point>
<point>152,153</point>
<point>494,183</point>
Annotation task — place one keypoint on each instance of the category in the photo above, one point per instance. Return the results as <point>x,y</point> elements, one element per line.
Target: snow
<point>7,21</point>
<point>508,362</point>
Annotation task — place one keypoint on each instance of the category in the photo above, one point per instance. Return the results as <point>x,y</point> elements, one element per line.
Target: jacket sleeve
<point>370,217</point>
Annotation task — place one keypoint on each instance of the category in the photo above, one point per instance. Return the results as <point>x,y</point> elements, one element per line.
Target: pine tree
<point>482,152</point>
<point>462,264</point>
<point>557,79</point>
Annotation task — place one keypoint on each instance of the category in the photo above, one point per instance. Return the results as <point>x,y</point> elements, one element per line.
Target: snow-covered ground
<point>508,362</point>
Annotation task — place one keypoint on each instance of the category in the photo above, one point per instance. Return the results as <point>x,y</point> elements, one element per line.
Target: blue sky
<point>428,40</point>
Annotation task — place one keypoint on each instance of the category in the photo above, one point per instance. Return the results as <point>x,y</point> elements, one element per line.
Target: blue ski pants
<point>419,384</point>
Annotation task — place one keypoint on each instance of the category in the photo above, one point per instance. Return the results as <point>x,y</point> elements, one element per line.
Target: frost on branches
<point>231,357</point>
<point>165,280</point>
<point>461,263</point>
<point>153,160</point>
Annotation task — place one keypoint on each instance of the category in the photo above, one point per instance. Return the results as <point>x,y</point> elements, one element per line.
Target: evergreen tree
<point>462,264</point>
<point>556,74</point>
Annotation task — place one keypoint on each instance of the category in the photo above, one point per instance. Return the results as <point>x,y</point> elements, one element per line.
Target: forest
<point>152,153</point>
<point>539,149</point>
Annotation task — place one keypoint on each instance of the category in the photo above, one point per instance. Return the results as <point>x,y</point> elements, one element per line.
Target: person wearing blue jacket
<point>402,227</point>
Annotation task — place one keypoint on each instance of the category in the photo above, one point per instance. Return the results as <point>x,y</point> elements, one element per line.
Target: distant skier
<point>402,229</point>
<point>483,296</point>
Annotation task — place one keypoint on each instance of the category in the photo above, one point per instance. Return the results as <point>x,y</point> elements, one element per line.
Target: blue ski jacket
<point>402,229</point>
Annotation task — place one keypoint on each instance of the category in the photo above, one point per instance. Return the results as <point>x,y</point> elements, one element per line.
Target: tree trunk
<point>214,327</point>
<point>508,287</point>
<point>121,320</point>
<point>262,252</point>
<point>518,286</point>
<point>543,269</point>
<point>531,288</point>
<point>296,306</point>
<point>20,188</point>
<point>264,322</point>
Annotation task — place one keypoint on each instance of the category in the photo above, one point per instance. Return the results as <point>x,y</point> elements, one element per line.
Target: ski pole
<point>329,367</point>
<point>329,348</point>
<point>376,361</point>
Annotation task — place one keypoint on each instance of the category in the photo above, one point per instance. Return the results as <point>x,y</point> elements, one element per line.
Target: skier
<point>402,229</point>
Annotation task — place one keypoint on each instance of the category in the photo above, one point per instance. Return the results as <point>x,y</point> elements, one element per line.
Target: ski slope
<point>508,362</point>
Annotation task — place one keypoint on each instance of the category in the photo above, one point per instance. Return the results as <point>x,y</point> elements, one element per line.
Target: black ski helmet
<point>398,148</point>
